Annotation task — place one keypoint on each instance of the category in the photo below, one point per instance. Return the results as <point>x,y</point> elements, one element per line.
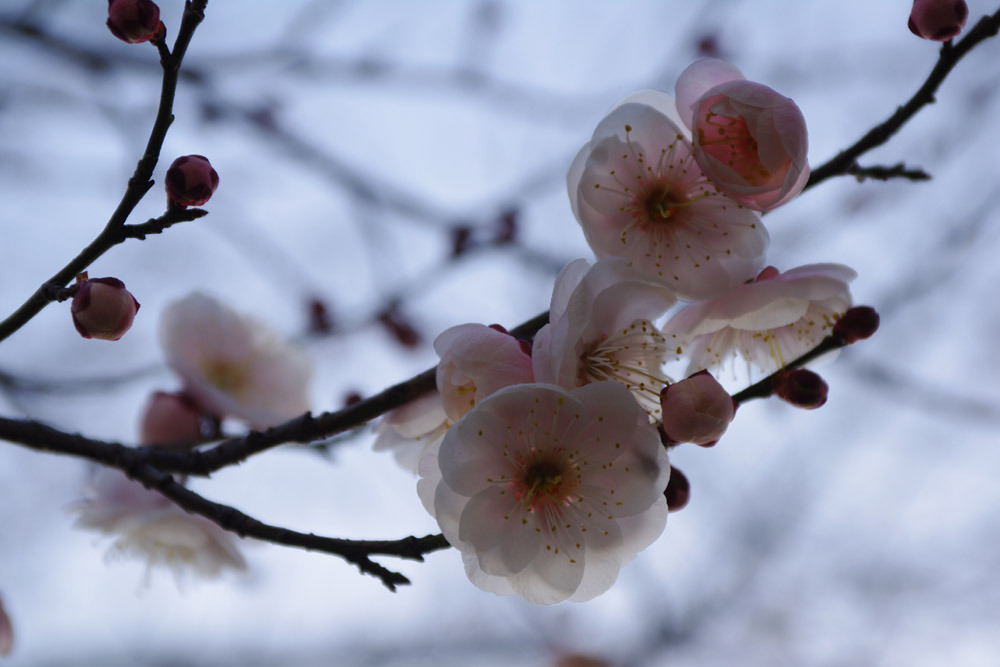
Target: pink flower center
<point>543,481</point>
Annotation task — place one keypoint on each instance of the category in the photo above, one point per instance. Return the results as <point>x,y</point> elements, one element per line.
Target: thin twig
<point>987,27</point>
<point>138,185</point>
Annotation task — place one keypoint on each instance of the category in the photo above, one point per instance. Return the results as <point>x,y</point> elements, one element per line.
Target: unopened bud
<point>696,410</point>
<point>858,323</point>
<point>940,20</point>
<point>135,21</point>
<point>191,180</point>
<point>678,491</point>
<point>102,308</point>
<point>170,419</point>
<point>801,387</point>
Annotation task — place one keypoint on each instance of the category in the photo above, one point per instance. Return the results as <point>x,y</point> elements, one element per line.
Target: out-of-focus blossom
<point>801,387</point>
<point>548,493</point>
<point>410,430</point>
<point>102,308</point>
<point>170,419</point>
<point>476,361</point>
<point>858,323</point>
<point>6,631</point>
<point>696,409</point>
<point>191,180</point>
<point>600,329</point>
<point>638,193</point>
<point>134,21</point>
<point>940,20</point>
<point>768,322</point>
<point>748,139</point>
<point>233,365</point>
<point>148,526</point>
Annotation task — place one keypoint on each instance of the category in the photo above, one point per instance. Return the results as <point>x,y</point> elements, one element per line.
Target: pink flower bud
<point>191,180</point>
<point>940,20</point>
<point>696,410</point>
<point>856,324</point>
<point>749,140</point>
<point>170,419</point>
<point>135,21</point>
<point>6,632</point>
<point>102,308</point>
<point>801,387</point>
<point>678,491</point>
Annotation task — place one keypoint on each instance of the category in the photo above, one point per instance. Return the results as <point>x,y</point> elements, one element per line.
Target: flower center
<point>663,203</point>
<point>227,376</point>
<point>543,481</point>
<point>632,356</point>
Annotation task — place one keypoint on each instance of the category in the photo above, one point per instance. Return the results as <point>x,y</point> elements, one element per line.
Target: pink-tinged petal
<point>417,417</point>
<point>504,537</point>
<point>477,452</point>
<point>697,79</point>
<point>697,409</point>
<point>640,530</point>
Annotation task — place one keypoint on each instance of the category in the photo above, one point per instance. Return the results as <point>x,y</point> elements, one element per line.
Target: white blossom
<point>148,526</point>
<point>546,492</point>
<point>768,322</point>
<point>233,365</point>
<point>638,193</point>
<point>600,328</point>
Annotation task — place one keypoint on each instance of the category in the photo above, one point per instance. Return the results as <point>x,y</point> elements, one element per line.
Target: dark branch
<point>138,185</point>
<point>950,55</point>
<point>880,173</point>
<point>763,388</point>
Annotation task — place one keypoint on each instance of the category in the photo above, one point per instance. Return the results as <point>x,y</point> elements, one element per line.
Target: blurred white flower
<point>148,526</point>
<point>546,492</point>
<point>638,193</point>
<point>233,365</point>
<point>768,322</point>
<point>600,329</point>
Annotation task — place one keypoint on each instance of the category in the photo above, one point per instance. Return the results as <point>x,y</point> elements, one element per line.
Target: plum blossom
<point>748,139</point>
<point>769,321</point>
<point>408,431</point>
<point>600,328</point>
<point>233,365</point>
<point>638,193</point>
<point>147,525</point>
<point>476,361</point>
<point>546,492</point>
<point>696,409</point>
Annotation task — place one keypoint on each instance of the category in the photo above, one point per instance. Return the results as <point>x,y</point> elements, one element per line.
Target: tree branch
<point>138,185</point>
<point>987,27</point>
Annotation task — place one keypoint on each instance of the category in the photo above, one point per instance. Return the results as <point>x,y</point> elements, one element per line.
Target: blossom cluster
<point>546,464</point>
<point>229,366</point>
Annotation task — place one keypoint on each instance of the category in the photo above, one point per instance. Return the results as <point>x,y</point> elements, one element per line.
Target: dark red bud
<point>801,387</point>
<point>135,21</point>
<point>858,323</point>
<point>461,240</point>
<point>191,180</point>
<point>320,322</point>
<point>678,491</point>
<point>399,327</point>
